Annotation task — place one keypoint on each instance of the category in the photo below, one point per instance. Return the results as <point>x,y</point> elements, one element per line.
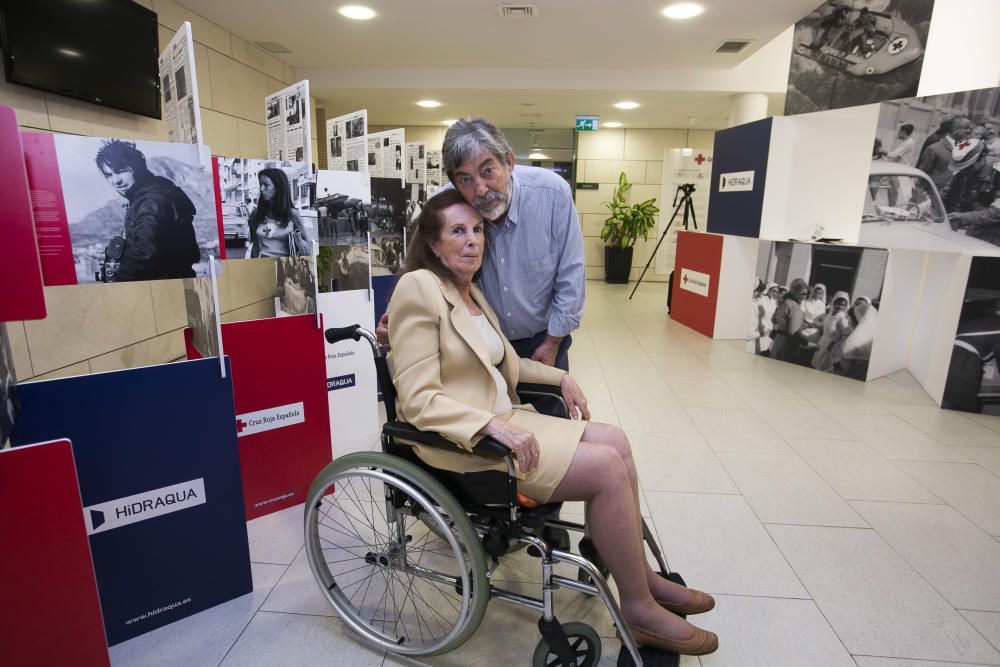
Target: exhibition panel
<point>179,89</point>
<point>159,474</point>
<point>289,128</point>
<point>51,613</point>
<point>697,272</point>
<point>79,186</point>
<point>19,252</point>
<point>282,420</point>
<point>739,174</point>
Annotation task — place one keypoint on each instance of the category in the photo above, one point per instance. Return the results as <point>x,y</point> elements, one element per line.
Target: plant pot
<point>617,264</point>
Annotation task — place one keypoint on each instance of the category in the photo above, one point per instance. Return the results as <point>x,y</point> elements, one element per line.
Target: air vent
<point>273,47</point>
<point>733,45</point>
<point>518,11</point>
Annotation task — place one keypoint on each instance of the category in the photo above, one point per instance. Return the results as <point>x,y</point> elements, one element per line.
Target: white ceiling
<point>462,52</point>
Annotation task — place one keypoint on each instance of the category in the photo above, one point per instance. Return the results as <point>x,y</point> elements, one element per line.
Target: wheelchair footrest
<point>651,657</point>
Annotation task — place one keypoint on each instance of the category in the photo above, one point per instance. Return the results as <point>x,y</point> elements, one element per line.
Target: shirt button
<point>501,260</point>
<point>508,314</point>
<point>504,289</point>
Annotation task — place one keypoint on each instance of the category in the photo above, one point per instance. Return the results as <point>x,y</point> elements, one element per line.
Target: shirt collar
<point>515,198</point>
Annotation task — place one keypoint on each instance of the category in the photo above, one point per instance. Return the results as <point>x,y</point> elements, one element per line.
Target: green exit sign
<point>587,123</point>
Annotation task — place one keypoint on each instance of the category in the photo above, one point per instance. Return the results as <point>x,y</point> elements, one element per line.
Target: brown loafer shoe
<point>700,603</point>
<point>702,643</point>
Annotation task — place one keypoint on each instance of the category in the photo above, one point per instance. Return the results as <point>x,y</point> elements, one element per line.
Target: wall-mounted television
<point>101,51</point>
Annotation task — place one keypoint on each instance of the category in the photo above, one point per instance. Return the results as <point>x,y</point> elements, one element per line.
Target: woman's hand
<point>576,402</point>
<point>520,441</point>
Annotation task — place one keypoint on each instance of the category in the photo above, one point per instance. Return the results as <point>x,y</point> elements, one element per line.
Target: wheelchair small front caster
<point>589,551</point>
<point>584,643</point>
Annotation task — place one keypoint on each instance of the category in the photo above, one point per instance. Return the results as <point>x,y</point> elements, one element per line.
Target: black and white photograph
<point>199,301</point>
<point>387,254</point>
<point>293,109</point>
<point>296,285</point>
<point>935,174</point>
<point>8,388</point>
<point>137,210</point>
<point>344,267</point>
<point>817,305</point>
<point>356,127</point>
<point>391,206</point>
<point>973,382</point>
<point>852,52</point>
<point>343,206</point>
<point>273,107</point>
<point>265,208</point>
<point>434,175</point>
<point>337,146</point>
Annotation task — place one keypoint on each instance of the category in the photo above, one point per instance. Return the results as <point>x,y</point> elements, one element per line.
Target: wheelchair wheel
<point>408,589</point>
<point>583,640</point>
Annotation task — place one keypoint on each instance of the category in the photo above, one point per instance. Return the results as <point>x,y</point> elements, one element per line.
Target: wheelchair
<point>405,552</point>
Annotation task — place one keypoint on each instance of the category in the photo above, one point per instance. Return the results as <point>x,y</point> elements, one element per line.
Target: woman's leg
<point>599,476</point>
<point>661,589</point>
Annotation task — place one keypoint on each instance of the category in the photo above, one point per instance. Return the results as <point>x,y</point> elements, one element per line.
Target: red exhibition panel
<point>51,224</point>
<point>50,612</point>
<point>24,297</point>
<point>697,267</point>
<point>282,410</point>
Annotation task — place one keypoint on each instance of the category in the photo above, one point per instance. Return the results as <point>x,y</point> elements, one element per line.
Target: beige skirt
<point>557,442</point>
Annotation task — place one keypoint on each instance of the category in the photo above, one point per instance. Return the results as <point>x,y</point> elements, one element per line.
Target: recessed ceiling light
<point>537,156</point>
<point>428,104</point>
<point>626,105</point>
<point>612,124</point>
<point>357,12</point>
<point>683,10</point>
<point>449,122</point>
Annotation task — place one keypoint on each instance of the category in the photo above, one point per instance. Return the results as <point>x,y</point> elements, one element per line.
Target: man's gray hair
<point>469,136</point>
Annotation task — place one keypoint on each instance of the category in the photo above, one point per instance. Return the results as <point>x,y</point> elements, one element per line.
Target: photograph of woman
<point>455,374</point>
<point>276,229</point>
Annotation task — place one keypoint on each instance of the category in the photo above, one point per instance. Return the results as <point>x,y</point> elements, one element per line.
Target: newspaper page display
<point>347,137</point>
<point>385,154</point>
<point>434,173</point>
<point>179,89</point>
<point>289,130</point>
<point>416,163</point>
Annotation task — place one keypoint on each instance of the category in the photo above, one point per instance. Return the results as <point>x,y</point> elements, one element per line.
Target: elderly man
<point>936,160</point>
<point>533,271</point>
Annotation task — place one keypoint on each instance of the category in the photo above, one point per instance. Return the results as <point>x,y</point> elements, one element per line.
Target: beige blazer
<point>440,363</point>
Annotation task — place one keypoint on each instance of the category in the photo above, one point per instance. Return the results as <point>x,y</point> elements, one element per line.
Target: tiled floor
<point>838,523</point>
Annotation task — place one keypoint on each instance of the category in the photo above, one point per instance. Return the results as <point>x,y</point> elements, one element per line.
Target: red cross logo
<point>685,278</point>
<point>240,425</point>
<point>964,144</point>
<point>700,158</point>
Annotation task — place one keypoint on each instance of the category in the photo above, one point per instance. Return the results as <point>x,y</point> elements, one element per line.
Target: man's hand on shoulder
<point>547,351</point>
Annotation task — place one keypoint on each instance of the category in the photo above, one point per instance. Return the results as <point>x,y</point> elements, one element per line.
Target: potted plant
<point>622,229</point>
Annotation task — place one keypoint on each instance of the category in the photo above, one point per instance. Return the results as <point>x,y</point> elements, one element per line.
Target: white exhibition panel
<point>961,26</point>
<point>678,169</point>
<point>944,285</point>
<point>736,280</point>
<point>354,404</point>
<point>898,312</point>
<point>817,171</point>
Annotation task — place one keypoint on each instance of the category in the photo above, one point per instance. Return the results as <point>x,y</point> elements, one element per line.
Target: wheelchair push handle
<point>337,334</point>
<point>353,332</point>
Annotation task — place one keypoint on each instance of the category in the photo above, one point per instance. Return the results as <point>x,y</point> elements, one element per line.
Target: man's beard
<point>492,205</point>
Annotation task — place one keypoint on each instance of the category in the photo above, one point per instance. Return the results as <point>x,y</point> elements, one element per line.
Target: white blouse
<point>495,352</point>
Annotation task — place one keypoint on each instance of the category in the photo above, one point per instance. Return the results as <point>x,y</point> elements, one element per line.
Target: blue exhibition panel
<point>739,170</point>
<point>159,474</point>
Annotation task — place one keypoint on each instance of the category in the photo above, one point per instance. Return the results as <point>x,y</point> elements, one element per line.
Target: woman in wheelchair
<point>454,373</point>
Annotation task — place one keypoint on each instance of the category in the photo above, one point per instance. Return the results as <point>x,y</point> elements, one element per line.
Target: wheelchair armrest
<point>403,431</point>
<point>527,391</point>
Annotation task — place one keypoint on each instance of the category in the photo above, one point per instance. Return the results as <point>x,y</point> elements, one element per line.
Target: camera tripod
<point>683,192</point>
